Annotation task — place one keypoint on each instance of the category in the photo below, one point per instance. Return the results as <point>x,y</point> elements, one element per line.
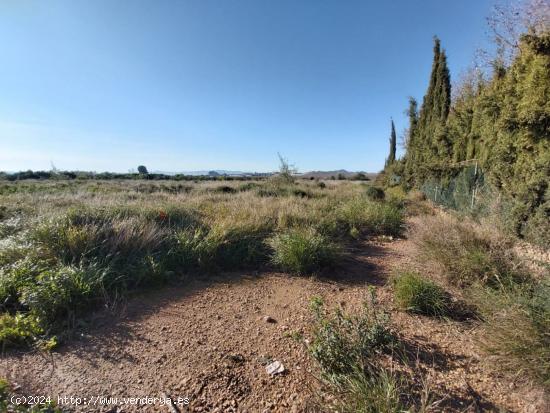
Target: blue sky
<point>188,85</point>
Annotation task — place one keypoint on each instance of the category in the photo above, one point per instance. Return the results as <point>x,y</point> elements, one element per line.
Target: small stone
<point>275,368</point>
<point>269,319</point>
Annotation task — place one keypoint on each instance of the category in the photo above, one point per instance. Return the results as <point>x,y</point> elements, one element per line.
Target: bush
<point>417,295</point>
<point>375,218</point>
<point>59,295</point>
<point>341,342</point>
<point>224,189</point>
<point>303,251</point>
<point>467,253</point>
<point>132,248</point>
<point>348,349</point>
<point>221,247</point>
<point>18,329</point>
<point>517,327</point>
<point>374,193</point>
<point>248,186</point>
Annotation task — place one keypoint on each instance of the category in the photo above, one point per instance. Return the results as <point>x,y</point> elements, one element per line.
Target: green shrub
<point>375,218</point>
<point>224,189</point>
<point>248,186</point>
<point>415,294</point>
<point>220,247</point>
<point>300,193</point>
<point>18,329</point>
<point>61,294</point>
<point>280,190</point>
<point>16,276</point>
<point>374,193</point>
<point>347,349</point>
<point>341,341</point>
<point>303,251</point>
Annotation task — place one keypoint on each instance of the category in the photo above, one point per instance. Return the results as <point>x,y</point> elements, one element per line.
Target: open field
<point>153,257</point>
<point>136,288</point>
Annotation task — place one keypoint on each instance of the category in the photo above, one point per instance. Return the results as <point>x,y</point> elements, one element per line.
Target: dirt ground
<point>208,340</point>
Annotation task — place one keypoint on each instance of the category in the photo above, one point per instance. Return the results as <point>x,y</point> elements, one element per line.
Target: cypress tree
<point>504,123</point>
<point>393,144</point>
<point>431,145</point>
<point>410,154</point>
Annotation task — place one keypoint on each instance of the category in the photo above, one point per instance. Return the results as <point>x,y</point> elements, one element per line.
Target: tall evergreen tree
<point>410,141</point>
<point>430,145</point>
<point>504,123</point>
<point>393,145</point>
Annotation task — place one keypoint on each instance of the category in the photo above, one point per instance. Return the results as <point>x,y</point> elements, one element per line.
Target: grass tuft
<point>467,253</point>
<point>303,251</point>
<point>374,218</point>
<point>355,354</point>
<point>415,294</point>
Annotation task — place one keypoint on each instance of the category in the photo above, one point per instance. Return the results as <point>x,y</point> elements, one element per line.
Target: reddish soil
<point>207,340</point>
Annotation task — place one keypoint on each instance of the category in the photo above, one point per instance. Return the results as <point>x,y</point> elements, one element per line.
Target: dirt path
<point>208,341</point>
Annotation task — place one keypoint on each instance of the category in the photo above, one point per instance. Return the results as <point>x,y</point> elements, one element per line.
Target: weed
<point>343,342</point>
<point>466,253</point>
<point>303,251</point>
<point>18,329</point>
<point>352,352</point>
<point>415,294</point>
<point>47,405</point>
<point>90,242</point>
<point>375,218</point>
<point>375,193</point>
<point>517,327</point>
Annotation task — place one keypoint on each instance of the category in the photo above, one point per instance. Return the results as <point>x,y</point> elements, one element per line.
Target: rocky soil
<point>210,340</point>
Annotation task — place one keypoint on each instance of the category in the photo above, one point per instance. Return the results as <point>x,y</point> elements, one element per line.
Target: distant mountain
<point>219,172</point>
<point>306,175</point>
<point>329,174</point>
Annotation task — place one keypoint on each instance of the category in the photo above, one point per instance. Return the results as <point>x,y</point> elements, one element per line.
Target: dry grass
<point>66,247</point>
<point>513,306</point>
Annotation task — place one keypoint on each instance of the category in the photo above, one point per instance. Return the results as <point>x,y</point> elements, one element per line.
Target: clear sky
<point>218,84</point>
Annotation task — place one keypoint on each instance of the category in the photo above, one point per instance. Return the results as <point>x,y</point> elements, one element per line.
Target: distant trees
<point>142,170</point>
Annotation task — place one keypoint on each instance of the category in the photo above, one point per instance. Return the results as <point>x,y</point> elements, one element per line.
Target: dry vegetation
<point>69,248</point>
<point>510,300</point>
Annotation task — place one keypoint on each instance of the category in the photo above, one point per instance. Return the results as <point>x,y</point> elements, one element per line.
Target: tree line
<point>501,124</point>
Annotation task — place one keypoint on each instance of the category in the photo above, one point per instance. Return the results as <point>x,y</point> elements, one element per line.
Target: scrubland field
<point>373,300</point>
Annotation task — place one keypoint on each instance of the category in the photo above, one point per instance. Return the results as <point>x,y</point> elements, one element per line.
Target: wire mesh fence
<point>466,192</point>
